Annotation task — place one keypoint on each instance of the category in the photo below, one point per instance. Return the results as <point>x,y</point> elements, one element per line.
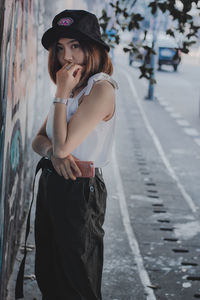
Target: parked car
<point>166,49</point>
<point>168,54</point>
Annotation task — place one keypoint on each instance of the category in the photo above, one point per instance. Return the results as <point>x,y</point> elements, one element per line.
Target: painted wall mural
<point>19,71</point>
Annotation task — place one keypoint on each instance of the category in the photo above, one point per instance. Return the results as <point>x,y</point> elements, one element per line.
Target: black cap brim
<point>54,33</point>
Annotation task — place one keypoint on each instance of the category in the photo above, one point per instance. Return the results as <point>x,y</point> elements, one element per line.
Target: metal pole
<point>152,62</point>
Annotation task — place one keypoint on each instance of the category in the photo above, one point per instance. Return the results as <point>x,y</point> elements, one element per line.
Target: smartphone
<point>86,167</point>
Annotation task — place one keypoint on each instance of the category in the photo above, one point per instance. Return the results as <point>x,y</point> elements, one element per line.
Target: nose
<point>67,55</point>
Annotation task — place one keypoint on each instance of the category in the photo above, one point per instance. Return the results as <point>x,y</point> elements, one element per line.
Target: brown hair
<point>97,60</point>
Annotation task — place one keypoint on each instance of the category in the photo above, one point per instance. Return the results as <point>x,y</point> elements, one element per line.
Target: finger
<point>69,62</point>
<point>70,173</point>
<point>68,66</point>
<point>58,171</point>
<point>64,172</point>
<point>75,167</point>
<point>77,73</point>
<point>75,67</point>
<point>73,164</point>
<point>74,157</point>
<point>68,167</point>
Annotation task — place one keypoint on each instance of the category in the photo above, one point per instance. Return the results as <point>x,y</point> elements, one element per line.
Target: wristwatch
<point>60,100</point>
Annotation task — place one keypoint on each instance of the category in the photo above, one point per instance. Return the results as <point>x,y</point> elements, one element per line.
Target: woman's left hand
<point>67,79</point>
<point>66,167</point>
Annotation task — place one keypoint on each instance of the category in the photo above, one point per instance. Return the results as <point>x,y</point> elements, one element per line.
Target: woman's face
<point>69,50</point>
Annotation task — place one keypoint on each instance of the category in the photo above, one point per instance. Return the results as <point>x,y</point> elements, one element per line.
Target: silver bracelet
<point>60,100</point>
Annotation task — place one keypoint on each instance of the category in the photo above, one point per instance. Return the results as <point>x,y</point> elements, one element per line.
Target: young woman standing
<point>80,125</point>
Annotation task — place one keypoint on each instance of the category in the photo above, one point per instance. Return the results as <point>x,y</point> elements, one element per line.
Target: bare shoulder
<point>104,86</point>
<point>104,90</point>
<point>101,100</point>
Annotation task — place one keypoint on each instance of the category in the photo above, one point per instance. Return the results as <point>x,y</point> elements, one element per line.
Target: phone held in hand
<point>86,167</point>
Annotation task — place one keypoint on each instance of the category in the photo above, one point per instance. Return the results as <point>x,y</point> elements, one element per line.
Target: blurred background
<point>152,226</point>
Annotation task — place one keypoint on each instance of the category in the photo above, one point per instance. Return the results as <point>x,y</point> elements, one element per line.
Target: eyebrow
<point>67,42</point>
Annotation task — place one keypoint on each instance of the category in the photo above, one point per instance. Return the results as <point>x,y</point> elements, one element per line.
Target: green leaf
<point>126,49</point>
<point>163,6</point>
<point>153,6</point>
<point>170,32</point>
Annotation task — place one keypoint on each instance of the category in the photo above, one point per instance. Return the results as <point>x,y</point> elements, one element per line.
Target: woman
<point>80,125</point>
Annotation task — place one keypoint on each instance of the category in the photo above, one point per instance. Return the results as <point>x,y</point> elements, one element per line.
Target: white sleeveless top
<point>97,145</point>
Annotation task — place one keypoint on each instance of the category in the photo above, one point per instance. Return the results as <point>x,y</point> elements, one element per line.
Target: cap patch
<point>65,21</point>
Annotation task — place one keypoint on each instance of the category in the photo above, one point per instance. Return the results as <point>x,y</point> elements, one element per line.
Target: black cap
<point>79,24</point>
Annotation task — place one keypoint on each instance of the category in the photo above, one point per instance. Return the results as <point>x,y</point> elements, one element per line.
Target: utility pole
<point>150,95</point>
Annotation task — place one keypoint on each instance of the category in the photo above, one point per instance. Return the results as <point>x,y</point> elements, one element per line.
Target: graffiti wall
<point>21,76</point>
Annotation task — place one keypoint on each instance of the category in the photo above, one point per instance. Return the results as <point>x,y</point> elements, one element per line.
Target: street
<point>152,226</point>
<point>158,198</point>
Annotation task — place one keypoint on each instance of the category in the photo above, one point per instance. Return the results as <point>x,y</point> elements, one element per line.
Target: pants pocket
<point>97,207</point>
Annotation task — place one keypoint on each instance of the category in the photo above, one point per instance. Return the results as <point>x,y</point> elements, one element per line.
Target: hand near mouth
<point>67,78</point>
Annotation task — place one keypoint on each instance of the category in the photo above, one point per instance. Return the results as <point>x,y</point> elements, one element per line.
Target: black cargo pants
<point>69,235</point>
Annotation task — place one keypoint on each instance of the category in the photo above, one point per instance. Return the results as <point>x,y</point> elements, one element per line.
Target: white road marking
<point>175,115</point>
<point>169,108</point>
<point>157,143</point>
<point>144,198</point>
<point>182,122</point>
<point>144,277</point>
<point>191,132</point>
<point>164,103</point>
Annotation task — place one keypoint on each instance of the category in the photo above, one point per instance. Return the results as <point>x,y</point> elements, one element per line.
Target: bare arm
<point>41,144</point>
<point>95,107</point>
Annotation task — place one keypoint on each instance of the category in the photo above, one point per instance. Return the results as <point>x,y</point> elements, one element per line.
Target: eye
<point>74,46</point>
<point>59,48</point>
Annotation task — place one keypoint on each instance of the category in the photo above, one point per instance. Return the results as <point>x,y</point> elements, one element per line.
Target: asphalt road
<point>152,226</point>
<point>154,196</point>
